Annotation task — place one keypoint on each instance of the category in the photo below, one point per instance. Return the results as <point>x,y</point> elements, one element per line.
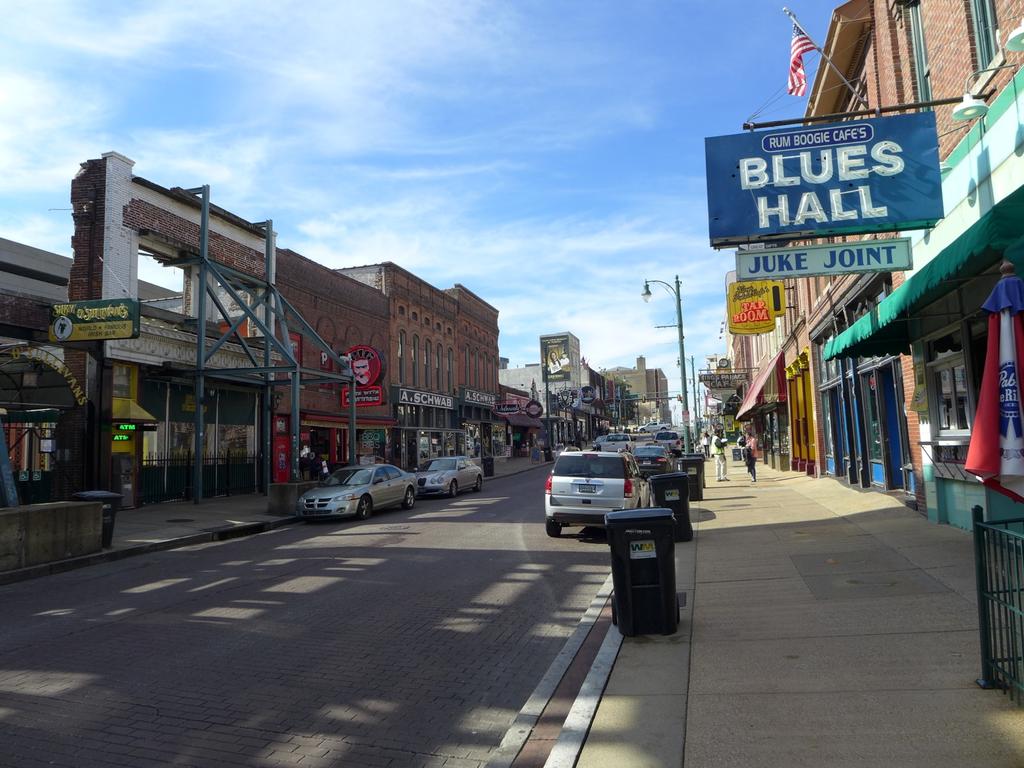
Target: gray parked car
<point>358,490</point>
<point>449,475</point>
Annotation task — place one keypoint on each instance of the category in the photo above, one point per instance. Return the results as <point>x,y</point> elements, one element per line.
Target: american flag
<point>800,45</point>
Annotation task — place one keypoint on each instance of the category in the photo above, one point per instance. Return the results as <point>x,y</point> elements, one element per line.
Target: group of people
<point>717,445</point>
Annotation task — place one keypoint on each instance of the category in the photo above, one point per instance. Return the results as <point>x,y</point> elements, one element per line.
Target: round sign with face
<point>534,409</point>
<point>366,364</point>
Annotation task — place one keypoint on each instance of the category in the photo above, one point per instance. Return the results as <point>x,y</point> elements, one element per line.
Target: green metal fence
<point>999,570</point>
<point>169,478</point>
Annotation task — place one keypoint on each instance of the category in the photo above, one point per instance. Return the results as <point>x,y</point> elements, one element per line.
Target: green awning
<point>885,330</point>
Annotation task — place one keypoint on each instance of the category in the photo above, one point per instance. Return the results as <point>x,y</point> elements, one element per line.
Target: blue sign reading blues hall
<point>876,175</point>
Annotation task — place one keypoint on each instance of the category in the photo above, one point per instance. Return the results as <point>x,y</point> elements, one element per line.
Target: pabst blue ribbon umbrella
<point>996,452</point>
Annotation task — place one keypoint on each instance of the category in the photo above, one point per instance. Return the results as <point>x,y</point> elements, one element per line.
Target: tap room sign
<point>827,259</point>
<point>875,175</point>
<point>753,307</point>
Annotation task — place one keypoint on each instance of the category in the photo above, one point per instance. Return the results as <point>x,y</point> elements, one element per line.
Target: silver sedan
<point>358,491</point>
<point>449,475</point>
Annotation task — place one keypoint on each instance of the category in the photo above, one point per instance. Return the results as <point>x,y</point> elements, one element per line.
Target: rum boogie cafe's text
<point>871,175</point>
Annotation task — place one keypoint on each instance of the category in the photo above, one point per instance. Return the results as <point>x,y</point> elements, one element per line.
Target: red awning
<point>766,389</point>
<point>522,420</point>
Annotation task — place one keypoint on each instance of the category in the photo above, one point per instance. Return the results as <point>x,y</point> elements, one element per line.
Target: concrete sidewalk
<point>183,523</point>
<point>826,626</point>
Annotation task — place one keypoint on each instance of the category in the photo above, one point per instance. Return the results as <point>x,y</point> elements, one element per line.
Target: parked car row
<point>358,490</point>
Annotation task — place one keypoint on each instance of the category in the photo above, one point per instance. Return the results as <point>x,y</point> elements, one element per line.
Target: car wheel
<point>453,489</point>
<point>410,498</point>
<point>365,508</point>
<point>553,529</point>
<point>479,484</point>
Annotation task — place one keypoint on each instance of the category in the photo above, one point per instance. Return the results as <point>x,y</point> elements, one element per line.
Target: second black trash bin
<point>111,505</point>
<point>672,491</point>
<point>693,465</point>
<point>487,462</point>
<point>643,571</point>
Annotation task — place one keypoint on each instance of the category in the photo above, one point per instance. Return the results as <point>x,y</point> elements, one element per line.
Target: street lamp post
<point>646,296</point>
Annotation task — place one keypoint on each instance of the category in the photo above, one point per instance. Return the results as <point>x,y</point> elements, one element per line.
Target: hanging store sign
<point>828,259</point>
<point>556,357</point>
<point>753,307</point>
<point>718,380</point>
<point>506,408</point>
<point>534,409</point>
<point>95,320</point>
<point>431,399</point>
<point>472,397</point>
<point>875,175</point>
<point>365,396</point>
<point>587,395</point>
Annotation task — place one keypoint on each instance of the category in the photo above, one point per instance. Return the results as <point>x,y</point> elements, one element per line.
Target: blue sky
<point>547,155</point>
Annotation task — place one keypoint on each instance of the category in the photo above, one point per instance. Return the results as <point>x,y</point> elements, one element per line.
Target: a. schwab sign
<point>874,175</point>
<point>829,259</point>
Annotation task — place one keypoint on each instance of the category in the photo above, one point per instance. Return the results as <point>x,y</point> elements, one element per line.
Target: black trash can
<point>693,465</point>
<point>111,505</point>
<point>487,462</point>
<point>643,571</point>
<point>672,491</point>
<point>737,454</point>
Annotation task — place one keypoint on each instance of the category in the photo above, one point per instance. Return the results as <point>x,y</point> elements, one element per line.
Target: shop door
<point>893,432</point>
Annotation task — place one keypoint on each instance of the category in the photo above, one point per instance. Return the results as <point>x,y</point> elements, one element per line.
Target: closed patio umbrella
<point>996,452</point>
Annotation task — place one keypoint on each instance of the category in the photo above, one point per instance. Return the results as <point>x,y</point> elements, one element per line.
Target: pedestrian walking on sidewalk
<point>750,456</point>
<point>720,444</point>
<point>706,442</point>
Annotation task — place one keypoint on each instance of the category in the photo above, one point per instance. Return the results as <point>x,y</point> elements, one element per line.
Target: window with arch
<point>437,368</point>
<point>922,70</point>
<point>476,370</point>
<point>415,315</point>
<point>401,311</point>
<point>415,359</point>
<point>427,357</point>
<point>451,367</point>
<point>465,365</point>
<point>401,357</point>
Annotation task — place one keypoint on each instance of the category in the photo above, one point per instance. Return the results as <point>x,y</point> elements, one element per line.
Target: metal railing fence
<point>999,571</point>
<point>169,478</point>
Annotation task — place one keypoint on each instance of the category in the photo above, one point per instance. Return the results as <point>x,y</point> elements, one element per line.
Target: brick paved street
<point>411,639</point>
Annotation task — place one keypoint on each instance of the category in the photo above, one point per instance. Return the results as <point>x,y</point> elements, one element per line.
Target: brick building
<point>883,368</point>
<point>444,363</point>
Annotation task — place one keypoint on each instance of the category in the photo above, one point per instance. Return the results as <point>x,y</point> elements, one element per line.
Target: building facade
<point>882,369</point>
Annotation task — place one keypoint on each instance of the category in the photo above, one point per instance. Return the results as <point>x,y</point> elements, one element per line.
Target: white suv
<point>670,440</point>
<point>582,487</point>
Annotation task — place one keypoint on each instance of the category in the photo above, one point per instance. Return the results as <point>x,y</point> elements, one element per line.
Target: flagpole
<point>825,57</point>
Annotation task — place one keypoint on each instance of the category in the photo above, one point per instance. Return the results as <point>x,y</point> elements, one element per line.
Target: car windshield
<point>349,476</point>
<point>650,450</point>
<point>666,436</point>
<point>440,465</point>
<point>617,438</point>
<point>584,465</point>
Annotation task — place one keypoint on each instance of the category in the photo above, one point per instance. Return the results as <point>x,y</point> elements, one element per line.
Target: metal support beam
<point>200,383</point>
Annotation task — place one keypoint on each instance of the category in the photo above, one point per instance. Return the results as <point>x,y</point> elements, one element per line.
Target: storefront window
<point>952,400</point>
<point>948,376</point>
<point>826,413</point>
<point>122,381</point>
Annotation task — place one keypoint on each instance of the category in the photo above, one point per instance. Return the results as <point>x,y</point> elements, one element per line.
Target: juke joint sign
<point>861,176</point>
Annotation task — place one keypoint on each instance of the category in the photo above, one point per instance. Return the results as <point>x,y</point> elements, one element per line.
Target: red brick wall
<point>344,313</point>
<point>141,214</point>
<point>88,201</point>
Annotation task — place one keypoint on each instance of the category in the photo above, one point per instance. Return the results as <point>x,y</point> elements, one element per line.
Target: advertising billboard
<point>753,307</point>
<point>874,175</point>
<point>559,356</point>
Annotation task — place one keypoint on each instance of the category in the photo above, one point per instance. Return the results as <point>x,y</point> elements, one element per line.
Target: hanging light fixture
<point>970,108</point>
<point>1015,41</point>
